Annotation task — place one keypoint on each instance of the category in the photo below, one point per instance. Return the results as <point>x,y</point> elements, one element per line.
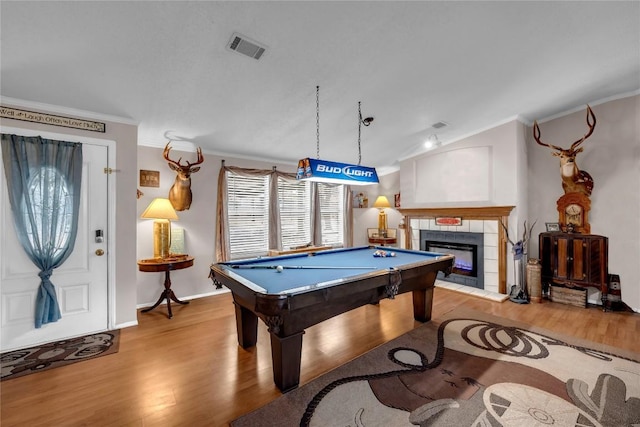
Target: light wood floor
<point>189,371</point>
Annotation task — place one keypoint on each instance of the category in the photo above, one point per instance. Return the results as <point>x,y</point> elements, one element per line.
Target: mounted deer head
<point>180,192</point>
<point>573,179</point>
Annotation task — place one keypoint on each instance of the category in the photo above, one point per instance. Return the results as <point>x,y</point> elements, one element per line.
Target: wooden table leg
<point>247,326</point>
<point>286,354</point>
<point>422,304</point>
<point>167,294</point>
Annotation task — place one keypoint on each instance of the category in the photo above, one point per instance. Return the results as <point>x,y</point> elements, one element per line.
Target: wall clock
<point>573,213</point>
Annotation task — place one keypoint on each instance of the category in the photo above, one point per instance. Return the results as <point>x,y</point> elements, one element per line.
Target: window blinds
<point>295,212</point>
<point>248,212</point>
<point>332,213</point>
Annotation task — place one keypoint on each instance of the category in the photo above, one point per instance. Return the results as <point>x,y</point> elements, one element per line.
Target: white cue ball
<point>279,269</point>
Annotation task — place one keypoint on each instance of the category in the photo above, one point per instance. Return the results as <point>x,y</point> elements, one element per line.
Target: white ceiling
<point>471,64</point>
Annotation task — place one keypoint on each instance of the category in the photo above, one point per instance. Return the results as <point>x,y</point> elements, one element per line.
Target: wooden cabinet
<point>575,260</point>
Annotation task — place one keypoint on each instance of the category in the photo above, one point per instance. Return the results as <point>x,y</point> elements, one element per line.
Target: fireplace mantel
<point>486,213</point>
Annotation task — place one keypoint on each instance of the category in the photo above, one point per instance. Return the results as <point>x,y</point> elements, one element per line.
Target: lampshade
<point>382,202</point>
<point>160,209</point>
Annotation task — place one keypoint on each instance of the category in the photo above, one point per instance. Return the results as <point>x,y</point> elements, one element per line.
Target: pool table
<point>292,292</point>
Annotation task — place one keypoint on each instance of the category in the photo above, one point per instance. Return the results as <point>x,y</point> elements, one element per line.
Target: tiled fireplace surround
<point>474,219</point>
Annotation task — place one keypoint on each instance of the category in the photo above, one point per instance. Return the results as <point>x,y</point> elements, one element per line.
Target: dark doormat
<point>17,363</point>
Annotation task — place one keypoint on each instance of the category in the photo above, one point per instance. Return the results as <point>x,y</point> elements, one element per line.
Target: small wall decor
<point>360,200</point>
<point>396,200</point>
<point>448,220</point>
<point>149,178</point>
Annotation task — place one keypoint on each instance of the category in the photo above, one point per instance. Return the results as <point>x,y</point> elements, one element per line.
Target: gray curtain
<point>43,179</point>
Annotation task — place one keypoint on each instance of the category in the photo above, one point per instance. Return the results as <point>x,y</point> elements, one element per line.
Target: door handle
<point>99,252</point>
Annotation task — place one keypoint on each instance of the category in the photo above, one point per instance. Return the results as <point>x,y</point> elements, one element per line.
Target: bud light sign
<point>333,172</point>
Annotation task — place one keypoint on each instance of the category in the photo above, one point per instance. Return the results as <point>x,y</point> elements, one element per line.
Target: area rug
<point>469,369</point>
<point>17,363</point>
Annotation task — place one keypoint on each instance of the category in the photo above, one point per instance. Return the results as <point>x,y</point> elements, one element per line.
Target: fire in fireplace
<point>466,262</point>
<point>468,248</point>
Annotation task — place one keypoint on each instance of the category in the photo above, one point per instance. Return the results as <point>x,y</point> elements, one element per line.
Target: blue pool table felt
<point>290,280</point>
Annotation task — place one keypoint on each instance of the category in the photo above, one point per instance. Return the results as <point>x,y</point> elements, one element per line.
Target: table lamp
<point>381,203</point>
<point>163,212</point>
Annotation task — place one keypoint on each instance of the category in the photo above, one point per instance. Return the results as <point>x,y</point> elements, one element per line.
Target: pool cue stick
<point>298,267</point>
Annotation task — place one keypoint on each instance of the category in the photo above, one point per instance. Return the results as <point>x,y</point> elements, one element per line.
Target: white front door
<point>81,282</point>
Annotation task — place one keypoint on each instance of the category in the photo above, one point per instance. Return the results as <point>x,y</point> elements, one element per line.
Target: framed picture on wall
<point>396,200</point>
<point>360,200</point>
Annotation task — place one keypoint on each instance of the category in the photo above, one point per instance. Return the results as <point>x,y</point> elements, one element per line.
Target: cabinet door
<point>578,259</point>
<point>562,267</point>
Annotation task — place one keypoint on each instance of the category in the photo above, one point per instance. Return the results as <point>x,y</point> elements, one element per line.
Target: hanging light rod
<point>317,170</point>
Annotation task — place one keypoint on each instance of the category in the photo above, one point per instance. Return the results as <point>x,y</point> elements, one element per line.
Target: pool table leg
<point>286,353</point>
<point>422,304</point>
<point>247,326</point>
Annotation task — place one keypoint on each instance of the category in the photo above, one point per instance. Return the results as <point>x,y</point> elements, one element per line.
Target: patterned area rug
<point>52,355</point>
<point>469,369</point>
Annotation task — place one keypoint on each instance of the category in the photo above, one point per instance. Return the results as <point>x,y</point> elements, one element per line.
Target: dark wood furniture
<point>388,237</point>
<point>312,288</point>
<point>383,240</point>
<point>166,266</point>
<point>575,260</point>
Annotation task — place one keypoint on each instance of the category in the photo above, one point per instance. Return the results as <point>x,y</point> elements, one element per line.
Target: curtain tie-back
<point>45,275</point>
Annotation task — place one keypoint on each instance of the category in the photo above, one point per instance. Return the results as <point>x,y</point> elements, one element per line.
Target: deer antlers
<point>591,122</point>
<point>167,149</point>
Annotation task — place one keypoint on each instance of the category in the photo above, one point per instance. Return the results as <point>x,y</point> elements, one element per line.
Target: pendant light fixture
<point>333,172</point>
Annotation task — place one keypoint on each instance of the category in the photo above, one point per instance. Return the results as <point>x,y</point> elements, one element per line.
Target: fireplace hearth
<point>468,249</point>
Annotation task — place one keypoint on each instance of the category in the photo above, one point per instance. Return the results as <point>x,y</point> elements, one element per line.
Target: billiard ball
<point>279,269</point>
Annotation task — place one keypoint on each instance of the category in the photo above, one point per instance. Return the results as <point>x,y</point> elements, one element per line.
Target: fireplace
<point>468,249</point>
<point>492,267</point>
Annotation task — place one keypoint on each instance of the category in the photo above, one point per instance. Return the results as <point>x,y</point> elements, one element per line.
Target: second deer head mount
<point>574,180</point>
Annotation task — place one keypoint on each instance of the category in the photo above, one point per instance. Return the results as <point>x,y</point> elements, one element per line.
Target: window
<point>332,213</point>
<point>249,221</point>
<point>295,212</point>
<point>48,188</point>
<point>248,212</point>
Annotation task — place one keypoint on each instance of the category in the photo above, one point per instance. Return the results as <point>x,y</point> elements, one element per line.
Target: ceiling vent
<point>246,46</point>
<point>439,125</point>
